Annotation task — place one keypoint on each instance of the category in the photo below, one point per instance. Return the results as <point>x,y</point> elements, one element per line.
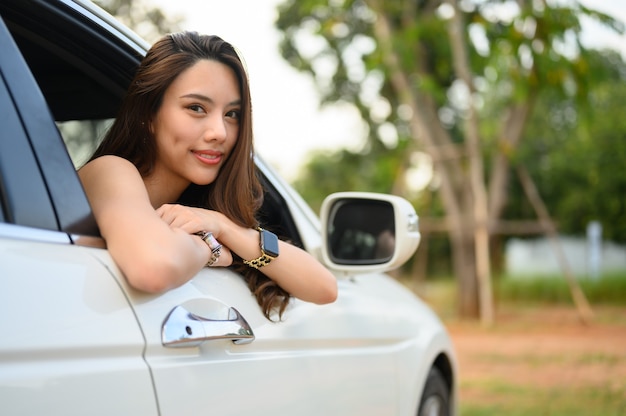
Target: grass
<point>608,290</point>
<point>441,292</point>
<point>514,400</point>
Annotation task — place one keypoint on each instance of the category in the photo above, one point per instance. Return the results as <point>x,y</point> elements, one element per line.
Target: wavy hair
<point>236,192</point>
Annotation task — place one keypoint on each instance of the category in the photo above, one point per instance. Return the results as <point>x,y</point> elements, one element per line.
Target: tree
<point>576,167</point>
<point>148,21</point>
<point>434,68</point>
<point>333,171</point>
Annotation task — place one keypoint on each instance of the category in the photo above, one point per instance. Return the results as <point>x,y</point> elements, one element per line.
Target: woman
<point>173,185</point>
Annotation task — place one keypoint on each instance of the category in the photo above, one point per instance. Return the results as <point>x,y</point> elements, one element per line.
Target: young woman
<point>173,185</point>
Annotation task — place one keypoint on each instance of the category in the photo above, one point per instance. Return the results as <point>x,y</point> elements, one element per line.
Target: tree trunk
<point>465,269</point>
<point>510,137</point>
<point>427,130</point>
<point>479,207</point>
<point>584,309</point>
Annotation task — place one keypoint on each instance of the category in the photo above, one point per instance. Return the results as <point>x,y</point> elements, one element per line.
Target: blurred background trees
<point>576,156</point>
<point>481,88</point>
<point>149,21</point>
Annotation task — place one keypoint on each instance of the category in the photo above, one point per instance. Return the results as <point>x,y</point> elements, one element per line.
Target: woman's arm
<point>295,270</point>
<point>153,256</point>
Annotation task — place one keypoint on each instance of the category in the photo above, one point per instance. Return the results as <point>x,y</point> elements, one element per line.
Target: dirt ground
<point>541,349</point>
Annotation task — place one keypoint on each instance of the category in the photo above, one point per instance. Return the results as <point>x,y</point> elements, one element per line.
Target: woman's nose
<point>216,128</point>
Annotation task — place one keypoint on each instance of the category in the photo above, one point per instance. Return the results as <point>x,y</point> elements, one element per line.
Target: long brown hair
<point>236,192</point>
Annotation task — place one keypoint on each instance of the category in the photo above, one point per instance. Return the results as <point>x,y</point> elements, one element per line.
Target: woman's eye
<point>235,114</point>
<point>196,108</point>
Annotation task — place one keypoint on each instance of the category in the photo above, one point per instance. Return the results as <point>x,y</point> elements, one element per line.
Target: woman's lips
<point>209,157</point>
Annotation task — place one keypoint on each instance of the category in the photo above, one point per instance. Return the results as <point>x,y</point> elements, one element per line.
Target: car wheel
<point>436,396</point>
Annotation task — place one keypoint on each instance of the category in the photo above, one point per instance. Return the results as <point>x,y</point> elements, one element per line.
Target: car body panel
<point>68,333</point>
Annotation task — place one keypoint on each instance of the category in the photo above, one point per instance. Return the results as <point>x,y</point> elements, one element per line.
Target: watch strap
<point>259,262</point>
<point>264,259</point>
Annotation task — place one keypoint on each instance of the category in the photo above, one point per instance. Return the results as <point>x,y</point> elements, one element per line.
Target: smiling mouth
<point>210,158</point>
<point>206,156</point>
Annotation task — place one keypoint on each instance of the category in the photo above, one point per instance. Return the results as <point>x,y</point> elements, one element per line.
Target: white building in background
<point>538,257</point>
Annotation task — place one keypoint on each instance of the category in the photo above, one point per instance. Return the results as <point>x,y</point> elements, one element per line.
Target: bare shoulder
<point>111,177</point>
<point>109,164</point>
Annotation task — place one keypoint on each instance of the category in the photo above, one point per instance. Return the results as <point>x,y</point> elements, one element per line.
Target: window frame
<point>23,193</point>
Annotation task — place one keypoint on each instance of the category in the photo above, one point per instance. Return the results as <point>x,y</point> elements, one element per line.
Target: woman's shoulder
<point>110,177</point>
<point>108,161</point>
<point>112,165</point>
<point>109,169</point>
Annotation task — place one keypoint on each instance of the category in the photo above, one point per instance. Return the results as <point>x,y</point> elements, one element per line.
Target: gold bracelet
<point>214,246</point>
<point>259,262</point>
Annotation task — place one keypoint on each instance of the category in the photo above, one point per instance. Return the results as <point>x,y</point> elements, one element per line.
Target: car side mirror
<point>366,232</point>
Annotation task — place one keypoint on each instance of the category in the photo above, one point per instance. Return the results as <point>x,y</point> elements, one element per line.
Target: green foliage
<point>346,35</point>
<point>342,170</point>
<point>576,159</point>
<point>148,21</point>
<point>520,56</point>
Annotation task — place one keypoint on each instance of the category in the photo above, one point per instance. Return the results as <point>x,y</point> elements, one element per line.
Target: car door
<point>316,361</point>
<point>69,342</point>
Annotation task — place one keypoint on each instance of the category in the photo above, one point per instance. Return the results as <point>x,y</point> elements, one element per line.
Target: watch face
<point>269,243</point>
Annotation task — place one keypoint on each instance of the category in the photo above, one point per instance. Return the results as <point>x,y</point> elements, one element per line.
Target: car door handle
<point>182,328</point>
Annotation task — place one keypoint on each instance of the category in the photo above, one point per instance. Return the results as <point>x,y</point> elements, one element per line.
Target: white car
<point>75,339</point>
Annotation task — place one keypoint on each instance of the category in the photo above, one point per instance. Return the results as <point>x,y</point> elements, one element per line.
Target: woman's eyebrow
<point>208,99</point>
<point>197,97</point>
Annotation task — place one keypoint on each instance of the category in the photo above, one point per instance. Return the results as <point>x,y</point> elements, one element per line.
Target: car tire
<point>436,396</point>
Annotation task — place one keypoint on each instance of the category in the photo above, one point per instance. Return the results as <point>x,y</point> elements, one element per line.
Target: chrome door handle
<point>182,328</point>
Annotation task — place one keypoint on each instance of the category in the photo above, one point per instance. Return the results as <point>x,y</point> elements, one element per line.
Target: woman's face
<point>197,125</point>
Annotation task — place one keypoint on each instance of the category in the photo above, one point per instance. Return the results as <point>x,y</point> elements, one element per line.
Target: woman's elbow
<point>327,293</point>
<point>154,279</point>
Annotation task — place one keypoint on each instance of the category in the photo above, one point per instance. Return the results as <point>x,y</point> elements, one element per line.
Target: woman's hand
<point>188,219</point>
<point>193,220</point>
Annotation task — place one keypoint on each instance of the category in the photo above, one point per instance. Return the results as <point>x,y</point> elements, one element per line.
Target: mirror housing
<point>367,232</point>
